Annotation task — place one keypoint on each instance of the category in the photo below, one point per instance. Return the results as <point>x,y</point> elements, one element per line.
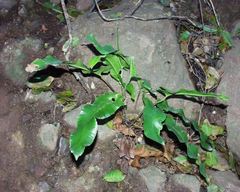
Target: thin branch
<point>67,20</point>
<point>201,12</point>
<point>214,12</point>
<point>143,19</point>
<point>68,49</point>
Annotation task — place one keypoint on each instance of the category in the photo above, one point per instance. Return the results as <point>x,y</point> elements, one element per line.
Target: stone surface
<point>153,44</point>
<point>63,147</point>
<point>230,86</point>
<point>48,135</point>
<point>14,57</point>
<point>7,4</point>
<point>236,29</point>
<point>44,187</point>
<point>105,132</point>
<point>71,117</point>
<point>84,5</point>
<point>154,178</point>
<point>226,180</point>
<point>45,97</point>
<point>183,183</point>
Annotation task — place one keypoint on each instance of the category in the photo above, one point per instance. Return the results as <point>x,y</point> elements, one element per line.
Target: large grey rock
<point>153,44</point>
<point>7,4</point>
<point>226,180</point>
<point>230,86</point>
<point>71,117</point>
<point>154,178</point>
<point>15,55</point>
<point>184,183</point>
<point>48,136</point>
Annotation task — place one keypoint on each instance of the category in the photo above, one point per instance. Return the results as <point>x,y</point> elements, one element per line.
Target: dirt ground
<point>22,163</point>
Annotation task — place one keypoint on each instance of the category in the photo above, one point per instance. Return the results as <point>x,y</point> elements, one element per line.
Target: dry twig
<point>129,16</point>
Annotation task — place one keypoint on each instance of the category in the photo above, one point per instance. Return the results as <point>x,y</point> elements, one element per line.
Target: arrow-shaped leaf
<point>104,50</point>
<point>192,151</point>
<point>85,133</point>
<point>103,107</point>
<point>177,130</point>
<point>153,118</point>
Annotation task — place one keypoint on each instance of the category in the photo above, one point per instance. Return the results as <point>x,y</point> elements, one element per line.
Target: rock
<point>27,3</point>
<point>154,178</point>
<point>44,187</point>
<point>84,5</point>
<point>45,97</point>
<point>231,69</point>
<point>236,29</point>
<point>48,135</point>
<point>183,183</point>
<point>105,133</point>
<point>226,180</point>
<point>17,139</point>
<point>22,11</point>
<point>153,44</point>
<point>71,117</point>
<point>63,148</point>
<point>5,101</point>
<point>7,4</point>
<point>14,58</point>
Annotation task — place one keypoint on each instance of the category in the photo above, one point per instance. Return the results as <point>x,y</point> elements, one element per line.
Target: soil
<point>22,164</point>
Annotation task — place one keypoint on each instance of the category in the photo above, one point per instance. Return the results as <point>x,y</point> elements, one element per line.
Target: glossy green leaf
<point>131,90</point>
<point>211,130</point>
<point>41,64</point>
<point>85,133</point>
<point>102,70</point>
<point>133,70</point>
<point>204,141</point>
<point>194,93</point>
<point>179,112</point>
<point>52,6</point>
<point>145,85</point>
<point>192,151</point>
<point>227,37</point>
<point>176,129</point>
<point>165,92</point>
<point>184,36</point>
<point>214,188</point>
<point>104,50</point>
<point>211,159</point>
<point>107,104</point>
<point>103,107</point>
<point>114,176</point>
<point>203,172</point>
<point>115,63</point>
<point>207,28</point>
<point>190,93</point>
<point>79,65</point>
<point>181,159</point>
<point>94,60</point>
<point>152,124</point>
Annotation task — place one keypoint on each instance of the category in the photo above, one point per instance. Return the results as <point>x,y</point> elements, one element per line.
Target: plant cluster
<point>157,113</point>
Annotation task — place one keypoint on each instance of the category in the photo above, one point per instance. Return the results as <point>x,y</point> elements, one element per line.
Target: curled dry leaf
<point>144,151</point>
<point>126,148</point>
<point>118,124</point>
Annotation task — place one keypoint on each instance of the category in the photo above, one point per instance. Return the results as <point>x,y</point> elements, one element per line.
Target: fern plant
<point>156,114</point>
